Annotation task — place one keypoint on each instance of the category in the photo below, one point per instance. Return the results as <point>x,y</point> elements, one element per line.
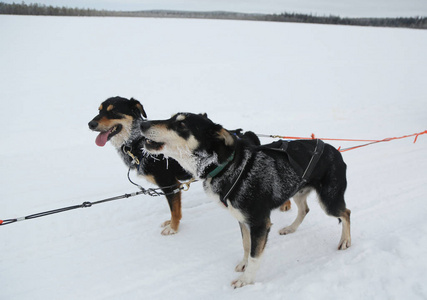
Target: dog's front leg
<point>246,247</point>
<point>171,227</point>
<point>258,239</point>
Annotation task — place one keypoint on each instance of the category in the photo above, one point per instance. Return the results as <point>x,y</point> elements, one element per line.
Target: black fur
<point>256,181</point>
<point>164,172</point>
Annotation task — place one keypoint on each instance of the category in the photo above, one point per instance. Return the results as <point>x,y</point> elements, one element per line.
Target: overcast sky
<point>343,8</point>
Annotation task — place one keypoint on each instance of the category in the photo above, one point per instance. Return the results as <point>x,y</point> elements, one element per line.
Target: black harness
<point>296,152</point>
<point>297,156</point>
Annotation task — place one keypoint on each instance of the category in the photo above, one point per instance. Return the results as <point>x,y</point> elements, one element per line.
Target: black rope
<point>153,192</point>
<point>59,210</point>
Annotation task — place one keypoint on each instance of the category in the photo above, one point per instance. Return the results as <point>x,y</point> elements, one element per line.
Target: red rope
<point>370,142</point>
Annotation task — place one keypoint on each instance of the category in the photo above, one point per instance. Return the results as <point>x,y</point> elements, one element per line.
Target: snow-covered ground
<point>275,78</point>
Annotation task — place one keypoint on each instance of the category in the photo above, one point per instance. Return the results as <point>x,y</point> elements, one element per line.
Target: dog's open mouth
<point>105,136</point>
<point>152,145</point>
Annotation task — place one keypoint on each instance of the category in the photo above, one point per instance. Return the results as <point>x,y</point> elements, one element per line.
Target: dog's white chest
<point>236,213</point>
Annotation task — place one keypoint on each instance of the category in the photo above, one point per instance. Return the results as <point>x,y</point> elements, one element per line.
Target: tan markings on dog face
<point>172,140</point>
<point>100,107</point>
<point>110,107</point>
<point>105,124</point>
<point>193,144</point>
<point>174,146</point>
<point>226,136</point>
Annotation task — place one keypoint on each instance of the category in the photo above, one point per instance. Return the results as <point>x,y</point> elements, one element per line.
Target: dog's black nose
<point>93,124</point>
<point>145,125</point>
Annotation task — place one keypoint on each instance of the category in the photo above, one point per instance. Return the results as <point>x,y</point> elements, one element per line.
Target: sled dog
<point>119,121</point>
<point>250,180</point>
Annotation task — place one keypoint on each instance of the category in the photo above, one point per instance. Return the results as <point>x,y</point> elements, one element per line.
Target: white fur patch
<point>208,190</point>
<point>248,277</point>
<point>175,146</point>
<point>236,213</point>
<point>120,138</point>
<point>180,118</point>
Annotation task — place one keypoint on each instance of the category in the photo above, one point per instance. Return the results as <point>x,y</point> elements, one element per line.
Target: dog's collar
<point>128,151</point>
<point>221,167</point>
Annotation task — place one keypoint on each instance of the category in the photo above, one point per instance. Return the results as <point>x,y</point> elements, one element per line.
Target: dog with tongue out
<point>102,138</point>
<point>119,121</point>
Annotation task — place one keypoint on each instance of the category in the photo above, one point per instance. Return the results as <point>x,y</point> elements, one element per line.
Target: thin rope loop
<point>370,142</point>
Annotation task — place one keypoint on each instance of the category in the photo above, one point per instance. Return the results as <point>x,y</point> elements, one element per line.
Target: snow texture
<point>275,78</point>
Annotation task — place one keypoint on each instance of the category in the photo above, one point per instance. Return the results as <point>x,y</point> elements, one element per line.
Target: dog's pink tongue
<point>102,139</point>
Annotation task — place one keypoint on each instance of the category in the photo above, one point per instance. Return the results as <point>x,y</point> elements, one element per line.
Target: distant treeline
<point>44,10</point>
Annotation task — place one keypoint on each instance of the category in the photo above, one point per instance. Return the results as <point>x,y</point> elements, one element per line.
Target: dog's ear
<point>223,134</point>
<point>204,115</point>
<point>139,106</point>
<point>223,144</point>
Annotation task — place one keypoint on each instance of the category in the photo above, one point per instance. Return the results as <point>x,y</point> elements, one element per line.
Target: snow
<point>274,78</point>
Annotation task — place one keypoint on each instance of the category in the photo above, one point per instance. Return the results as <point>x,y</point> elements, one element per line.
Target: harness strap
<point>283,146</point>
<point>221,167</point>
<point>224,198</point>
<point>320,145</point>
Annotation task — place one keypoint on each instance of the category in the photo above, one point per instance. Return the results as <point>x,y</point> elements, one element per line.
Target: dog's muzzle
<point>93,124</point>
<point>149,144</point>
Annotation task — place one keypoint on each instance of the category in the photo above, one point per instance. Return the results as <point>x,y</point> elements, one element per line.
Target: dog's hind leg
<point>246,237</point>
<point>300,199</point>
<point>336,208</point>
<point>286,206</point>
<point>345,241</point>
<point>331,196</point>
<point>171,226</point>
<point>258,239</point>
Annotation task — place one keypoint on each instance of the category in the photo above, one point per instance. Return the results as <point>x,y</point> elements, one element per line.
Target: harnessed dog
<point>250,180</point>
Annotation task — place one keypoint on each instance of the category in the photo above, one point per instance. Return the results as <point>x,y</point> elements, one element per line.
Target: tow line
<point>186,185</point>
<point>150,192</point>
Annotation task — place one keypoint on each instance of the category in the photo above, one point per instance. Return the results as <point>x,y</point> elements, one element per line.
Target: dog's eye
<point>181,125</point>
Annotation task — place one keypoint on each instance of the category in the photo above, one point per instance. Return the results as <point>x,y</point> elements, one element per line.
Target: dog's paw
<point>168,230</point>
<point>240,282</point>
<point>344,244</point>
<point>287,230</point>
<point>165,223</point>
<point>241,267</point>
<point>286,206</point>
